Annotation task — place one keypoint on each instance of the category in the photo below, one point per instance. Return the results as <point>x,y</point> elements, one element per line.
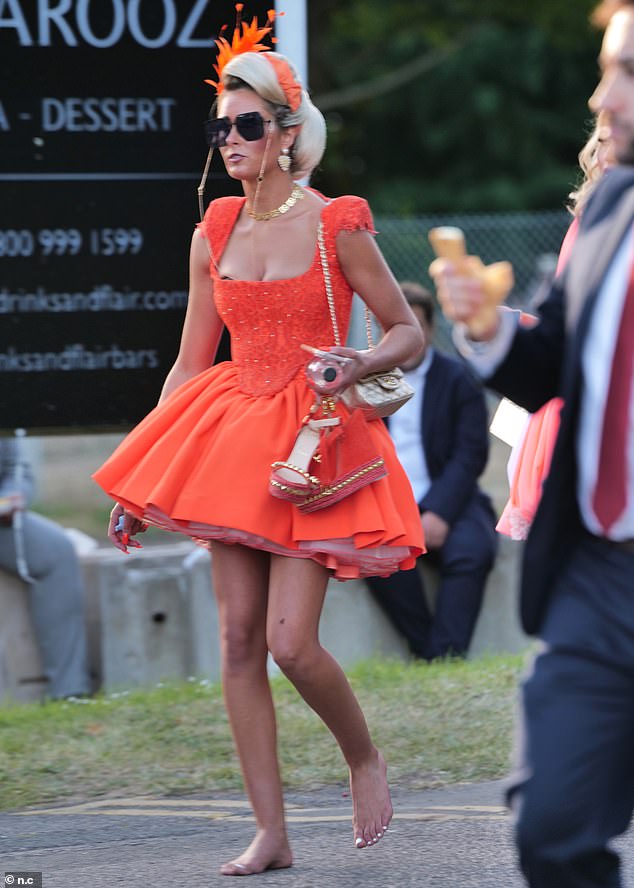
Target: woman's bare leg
<point>296,593</point>
<point>240,579</point>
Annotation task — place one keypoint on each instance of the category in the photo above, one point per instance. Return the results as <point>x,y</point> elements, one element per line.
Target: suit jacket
<point>546,361</point>
<point>455,437</point>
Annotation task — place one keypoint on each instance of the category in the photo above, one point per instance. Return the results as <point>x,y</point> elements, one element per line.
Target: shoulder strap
<point>323,256</point>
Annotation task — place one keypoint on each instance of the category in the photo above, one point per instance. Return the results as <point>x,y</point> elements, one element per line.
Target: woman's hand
<point>122,526</point>
<point>353,369</point>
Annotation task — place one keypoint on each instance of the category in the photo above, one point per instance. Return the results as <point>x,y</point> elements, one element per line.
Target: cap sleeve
<point>218,221</point>
<point>352,213</point>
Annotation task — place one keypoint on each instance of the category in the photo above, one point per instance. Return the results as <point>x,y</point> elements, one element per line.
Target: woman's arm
<point>199,342</point>
<point>202,328</point>
<point>369,275</point>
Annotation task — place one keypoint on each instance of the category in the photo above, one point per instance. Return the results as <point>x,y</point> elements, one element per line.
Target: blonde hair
<point>252,70</point>
<point>591,169</point>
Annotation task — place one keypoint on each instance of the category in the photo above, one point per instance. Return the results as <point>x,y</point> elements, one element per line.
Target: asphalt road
<point>456,837</point>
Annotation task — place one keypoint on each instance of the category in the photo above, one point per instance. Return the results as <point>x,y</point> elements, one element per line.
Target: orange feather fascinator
<point>248,38</point>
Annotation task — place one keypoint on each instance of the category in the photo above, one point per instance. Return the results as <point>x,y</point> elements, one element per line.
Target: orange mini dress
<point>199,463</point>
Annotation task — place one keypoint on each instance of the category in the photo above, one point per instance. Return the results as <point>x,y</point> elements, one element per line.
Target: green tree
<point>453,106</point>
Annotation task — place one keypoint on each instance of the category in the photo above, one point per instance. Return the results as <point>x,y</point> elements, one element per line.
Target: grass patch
<point>438,723</point>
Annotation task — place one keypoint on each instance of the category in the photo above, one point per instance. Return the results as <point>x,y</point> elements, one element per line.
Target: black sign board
<point>101,150</point>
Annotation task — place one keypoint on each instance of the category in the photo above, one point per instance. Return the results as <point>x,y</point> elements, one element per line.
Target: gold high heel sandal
<point>290,479</point>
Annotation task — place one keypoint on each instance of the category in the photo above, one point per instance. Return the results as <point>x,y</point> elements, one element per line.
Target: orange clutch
<point>330,460</point>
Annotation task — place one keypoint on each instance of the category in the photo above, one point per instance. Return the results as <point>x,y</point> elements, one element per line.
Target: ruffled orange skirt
<point>199,464</point>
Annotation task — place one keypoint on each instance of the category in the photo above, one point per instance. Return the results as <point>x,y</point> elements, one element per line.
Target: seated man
<point>38,551</point>
<point>442,440</point>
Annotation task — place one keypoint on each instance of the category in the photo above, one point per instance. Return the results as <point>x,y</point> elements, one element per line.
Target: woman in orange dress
<point>199,463</point>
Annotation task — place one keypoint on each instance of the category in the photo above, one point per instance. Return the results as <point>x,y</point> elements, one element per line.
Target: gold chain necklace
<point>296,194</point>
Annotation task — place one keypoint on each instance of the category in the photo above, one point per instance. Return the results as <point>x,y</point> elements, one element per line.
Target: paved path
<point>456,837</point>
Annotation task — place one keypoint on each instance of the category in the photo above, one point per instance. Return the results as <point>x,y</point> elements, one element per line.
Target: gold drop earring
<point>284,160</point>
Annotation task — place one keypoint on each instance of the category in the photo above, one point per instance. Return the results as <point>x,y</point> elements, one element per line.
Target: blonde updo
<point>252,70</point>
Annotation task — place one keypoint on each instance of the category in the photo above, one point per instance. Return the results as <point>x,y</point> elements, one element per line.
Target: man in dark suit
<point>575,788</point>
<point>442,440</point>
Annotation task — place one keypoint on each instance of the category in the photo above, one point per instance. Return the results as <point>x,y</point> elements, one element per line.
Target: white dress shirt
<point>596,367</point>
<point>406,431</point>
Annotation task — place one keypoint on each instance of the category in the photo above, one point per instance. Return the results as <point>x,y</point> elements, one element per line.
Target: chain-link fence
<point>530,241</point>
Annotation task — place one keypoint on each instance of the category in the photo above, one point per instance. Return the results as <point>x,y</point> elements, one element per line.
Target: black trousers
<point>463,564</point>
<point>575,788</point>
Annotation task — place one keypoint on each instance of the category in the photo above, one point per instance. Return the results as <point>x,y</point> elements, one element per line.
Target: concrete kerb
<point>152,616</point>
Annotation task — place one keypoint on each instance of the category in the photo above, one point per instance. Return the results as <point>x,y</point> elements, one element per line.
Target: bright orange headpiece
<point>247,38</point>
<point>290,87</point>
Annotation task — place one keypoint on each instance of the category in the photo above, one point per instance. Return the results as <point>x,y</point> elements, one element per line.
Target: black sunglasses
<point>250,126</point>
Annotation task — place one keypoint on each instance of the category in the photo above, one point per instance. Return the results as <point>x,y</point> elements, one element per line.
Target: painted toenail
<point>358,842</point>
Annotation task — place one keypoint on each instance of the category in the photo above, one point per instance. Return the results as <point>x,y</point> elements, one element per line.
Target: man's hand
<point>463,299</point>
<point>470,293</point>
<point>435,529</point>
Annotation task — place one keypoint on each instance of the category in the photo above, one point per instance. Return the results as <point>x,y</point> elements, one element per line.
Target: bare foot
<point>371,805</point>
<point>268,850</point>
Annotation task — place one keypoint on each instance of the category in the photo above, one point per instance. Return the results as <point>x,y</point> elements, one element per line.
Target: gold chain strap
<point>368,327</point>
<point>327,282</point>
<point>328,285</point>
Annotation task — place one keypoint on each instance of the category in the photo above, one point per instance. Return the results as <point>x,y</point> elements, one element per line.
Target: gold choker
<point>296,194</point>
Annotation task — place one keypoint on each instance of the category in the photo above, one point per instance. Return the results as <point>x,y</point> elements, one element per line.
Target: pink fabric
<point>532,456</point>
<point>533,464</point>
<point>567,245</point>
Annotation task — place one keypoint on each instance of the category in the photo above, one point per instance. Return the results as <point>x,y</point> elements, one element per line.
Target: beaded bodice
<point>268,320</point>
